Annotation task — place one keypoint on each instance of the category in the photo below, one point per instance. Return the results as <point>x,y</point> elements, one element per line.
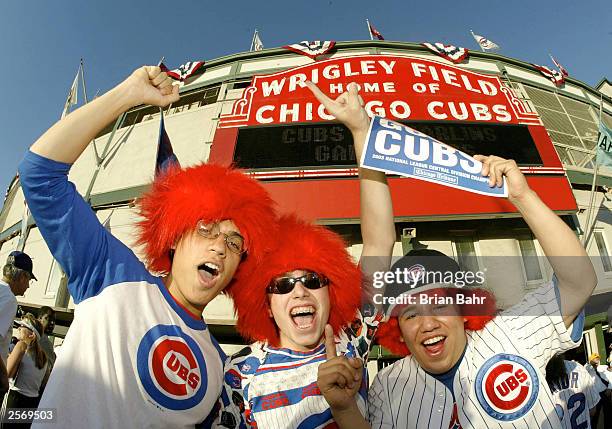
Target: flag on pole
<point>484,43</point>
<point>374,32</point>
<point>555,76</point>
<point>165,154</point>
<point>312,49</point>
<point>72,98</point>
<point>184,71</point>
<point>256,44</point>
<point>452,53</point>
<point>560,67</point>
<point>604,145</point>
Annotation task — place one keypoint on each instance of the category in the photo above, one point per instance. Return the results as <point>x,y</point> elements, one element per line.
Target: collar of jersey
<point>186,316</point>
<point>295,353</point>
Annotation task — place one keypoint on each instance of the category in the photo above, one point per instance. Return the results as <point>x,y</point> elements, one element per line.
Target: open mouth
<point>435,345</point>
<point>303,317</point>
<point>208,271</point>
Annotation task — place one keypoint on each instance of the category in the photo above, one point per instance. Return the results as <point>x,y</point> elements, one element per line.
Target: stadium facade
<point>253,110</point>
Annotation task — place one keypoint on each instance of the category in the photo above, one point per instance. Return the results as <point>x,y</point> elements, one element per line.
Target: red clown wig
<point>179,198</point>
<point>300,246</point>
<point>389,334</point>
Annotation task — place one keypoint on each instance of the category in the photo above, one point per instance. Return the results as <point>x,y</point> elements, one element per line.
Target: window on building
<point>241,84</point>
<point>531,261</point>
<point>54,280</point>
<point>467,257</point>
<point>604,254</point>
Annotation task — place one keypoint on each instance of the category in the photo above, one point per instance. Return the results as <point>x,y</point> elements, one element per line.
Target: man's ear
<point>402,339</point>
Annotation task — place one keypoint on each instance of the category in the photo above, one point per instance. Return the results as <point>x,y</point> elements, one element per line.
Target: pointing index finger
<point>324,99</point>
<point>330,344</point>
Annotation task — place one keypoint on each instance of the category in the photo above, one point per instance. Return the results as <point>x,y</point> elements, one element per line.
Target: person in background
<point>16,276</point>
<point>46,317</point>
<point>575,392</point>
<point>26,367</point>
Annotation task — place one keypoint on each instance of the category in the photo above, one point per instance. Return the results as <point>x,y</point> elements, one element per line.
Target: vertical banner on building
<point>398,149</point>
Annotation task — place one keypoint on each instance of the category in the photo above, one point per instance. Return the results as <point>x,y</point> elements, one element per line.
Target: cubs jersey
<point>268,387</point>
<point>574,396</point>
<point>499,382</point>
<point>133,357</point>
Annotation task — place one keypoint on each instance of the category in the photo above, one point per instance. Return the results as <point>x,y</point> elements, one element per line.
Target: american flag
<point>184,71</point>
<point>559,66</point>
<point>165,154</point>
<point>374,32</point>
<point>555,76</point>
<point>449,52</point>
<point>312,49</point>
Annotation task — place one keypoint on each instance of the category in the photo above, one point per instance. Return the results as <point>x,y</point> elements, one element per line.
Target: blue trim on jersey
<point>448,377</point>
<point>316,420</point>
<point>279,355</point>
<point>91,257</point>
<point>142,362</point>
<point>578,324</point>
<point>290,366</point>
<point>199,325</point>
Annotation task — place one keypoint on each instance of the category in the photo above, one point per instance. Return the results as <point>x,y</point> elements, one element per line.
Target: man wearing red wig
<point>138,353</point>
<point>467,367</point>
<point>308,282</point>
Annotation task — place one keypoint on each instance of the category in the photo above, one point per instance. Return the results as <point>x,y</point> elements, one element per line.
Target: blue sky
<point>42,41</point>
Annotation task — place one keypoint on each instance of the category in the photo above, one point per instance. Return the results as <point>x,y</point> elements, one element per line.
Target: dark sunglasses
<point>283,285</point>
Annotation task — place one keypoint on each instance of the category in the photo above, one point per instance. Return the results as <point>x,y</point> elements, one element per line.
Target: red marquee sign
<point>391,86</point>
<point>400,88</point>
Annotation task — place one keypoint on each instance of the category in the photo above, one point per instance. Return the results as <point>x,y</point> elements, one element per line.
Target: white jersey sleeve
<point>537,324</point>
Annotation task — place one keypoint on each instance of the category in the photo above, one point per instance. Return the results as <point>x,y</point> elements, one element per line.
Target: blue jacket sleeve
<point>91,256</point>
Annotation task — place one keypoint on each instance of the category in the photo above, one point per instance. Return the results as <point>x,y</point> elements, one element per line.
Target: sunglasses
<point>283,285</point>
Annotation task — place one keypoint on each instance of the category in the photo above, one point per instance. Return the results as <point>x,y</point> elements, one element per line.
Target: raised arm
<point>68,138</point>
<point>377,225</point>
<point>90,256</point>
<point>570,262</point>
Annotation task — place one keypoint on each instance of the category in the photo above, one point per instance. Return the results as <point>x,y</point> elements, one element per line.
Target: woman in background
<point>26,367</point>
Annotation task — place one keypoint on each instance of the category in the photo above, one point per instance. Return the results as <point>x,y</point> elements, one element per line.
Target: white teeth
<point>299,310</point>
<point>211,265</point>
<point>432,340</point>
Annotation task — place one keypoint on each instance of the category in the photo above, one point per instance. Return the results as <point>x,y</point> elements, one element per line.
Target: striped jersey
<point>499,382</point>
<point>575,395</point>
<point>268,387</point>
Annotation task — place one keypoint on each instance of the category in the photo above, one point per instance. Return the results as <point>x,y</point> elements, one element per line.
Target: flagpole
<point>253,41</point>
<point>588,228</point>
<point>83,81</point>
<point>369,29</point>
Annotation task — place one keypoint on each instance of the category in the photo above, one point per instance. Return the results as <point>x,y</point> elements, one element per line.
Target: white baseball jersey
<point>277,387</point>
<point>133,357</point>
<point>575,395</point>
<point>499,382</point>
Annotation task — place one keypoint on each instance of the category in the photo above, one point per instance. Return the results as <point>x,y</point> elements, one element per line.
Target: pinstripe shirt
<point>499,382</point>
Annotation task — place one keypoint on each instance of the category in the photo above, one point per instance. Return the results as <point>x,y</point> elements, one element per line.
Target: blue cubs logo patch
<point>507,386</point>
<point>171,368</point>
